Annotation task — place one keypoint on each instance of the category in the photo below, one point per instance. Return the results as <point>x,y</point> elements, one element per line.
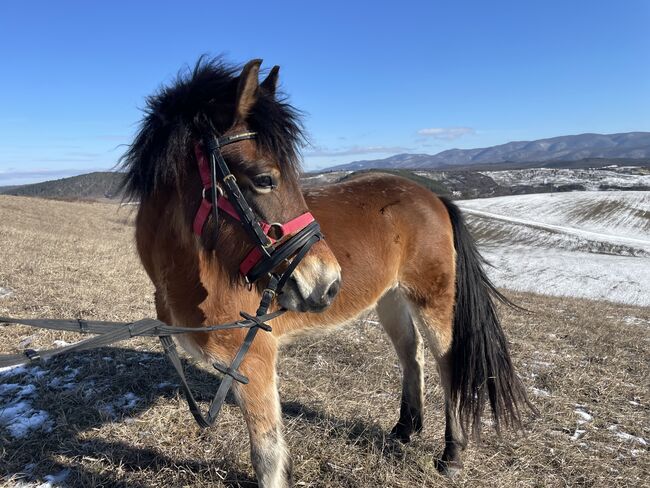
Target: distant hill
<point>460,180</point>
<point>91,186</point>
<point>566,149</point>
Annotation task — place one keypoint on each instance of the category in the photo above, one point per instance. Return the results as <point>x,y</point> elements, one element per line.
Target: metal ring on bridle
<point>219,192</point>
<point>277,225</point>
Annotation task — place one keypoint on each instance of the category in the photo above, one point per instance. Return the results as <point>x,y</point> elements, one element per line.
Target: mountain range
<point>628,145</point>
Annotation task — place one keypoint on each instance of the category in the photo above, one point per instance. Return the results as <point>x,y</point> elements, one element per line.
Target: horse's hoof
<point>400,433</point>
<point>450,469</point>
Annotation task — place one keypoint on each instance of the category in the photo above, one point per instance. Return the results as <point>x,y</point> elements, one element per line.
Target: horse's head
<point>266,170</point>
<point>172,148</point>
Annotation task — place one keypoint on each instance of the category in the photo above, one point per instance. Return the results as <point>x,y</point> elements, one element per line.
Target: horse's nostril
<point>333,290</point>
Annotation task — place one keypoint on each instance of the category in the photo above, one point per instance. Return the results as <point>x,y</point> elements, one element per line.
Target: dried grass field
<point>115,417</point>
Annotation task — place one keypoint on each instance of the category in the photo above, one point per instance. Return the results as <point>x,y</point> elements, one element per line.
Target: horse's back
<point>395,208</point>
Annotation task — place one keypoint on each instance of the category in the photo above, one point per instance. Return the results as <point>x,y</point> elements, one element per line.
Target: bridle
<point>264,260</point>
<point>267,255</point>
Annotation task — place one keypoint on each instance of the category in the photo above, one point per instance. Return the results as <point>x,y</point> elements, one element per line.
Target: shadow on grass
<point>85,391</point>
<point>357,433</point>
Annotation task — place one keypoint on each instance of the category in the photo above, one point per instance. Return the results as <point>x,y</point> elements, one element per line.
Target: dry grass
<point>340,392</point>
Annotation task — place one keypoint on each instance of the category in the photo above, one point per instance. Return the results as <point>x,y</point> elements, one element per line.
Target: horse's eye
<point>264,181</point>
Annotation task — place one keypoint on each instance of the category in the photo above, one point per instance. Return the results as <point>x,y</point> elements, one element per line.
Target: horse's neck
<point>195,284</point>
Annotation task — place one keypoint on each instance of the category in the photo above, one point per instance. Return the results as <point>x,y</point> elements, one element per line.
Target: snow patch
<point>5,293</point>
<point>55,479</point>
<point>17,413</point>
<point>636,321</point>
<point>50,480</point>
<point>12,370</point>
<point>625,436</point>
<point>578,434</point>
<point>542,364</point>
<point>540,392</point>
<point>583,417</point>
<point>591,179</point>
<point>19,419</point>
<point>16,390</point>
<point>65,382</point>
<point>120,406</point>
<point>33,372</point>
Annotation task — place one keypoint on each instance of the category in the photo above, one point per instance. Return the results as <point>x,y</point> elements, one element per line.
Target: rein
<point>266,256</point>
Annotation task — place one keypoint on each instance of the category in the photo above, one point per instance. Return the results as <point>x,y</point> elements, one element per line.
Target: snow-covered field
<point>322,178</point>
<point>590,178</point>
<point>584,244</point>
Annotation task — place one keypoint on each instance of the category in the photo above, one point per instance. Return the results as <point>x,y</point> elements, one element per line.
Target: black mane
<point>200,101</point>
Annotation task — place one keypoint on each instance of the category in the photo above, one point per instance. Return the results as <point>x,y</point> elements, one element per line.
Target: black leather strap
<point>221,171</point>
<point>231,373</point>
<point>306,237</point>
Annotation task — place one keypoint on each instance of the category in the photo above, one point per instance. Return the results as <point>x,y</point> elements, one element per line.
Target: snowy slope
<point>585,244</point>
<point>589,178</point>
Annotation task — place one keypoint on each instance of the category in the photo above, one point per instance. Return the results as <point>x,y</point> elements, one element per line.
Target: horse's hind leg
<point>395,316</point>
<point>455,440</point>
<point>437,324</point>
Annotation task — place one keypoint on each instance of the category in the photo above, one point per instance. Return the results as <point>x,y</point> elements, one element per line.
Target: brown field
<point>340,390</point>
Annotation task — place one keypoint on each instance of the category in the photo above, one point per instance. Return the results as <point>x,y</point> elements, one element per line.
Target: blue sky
<point>374,78</point>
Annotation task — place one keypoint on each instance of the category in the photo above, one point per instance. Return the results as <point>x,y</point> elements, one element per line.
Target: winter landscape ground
<point>115,417</point>
<point>584,244</point>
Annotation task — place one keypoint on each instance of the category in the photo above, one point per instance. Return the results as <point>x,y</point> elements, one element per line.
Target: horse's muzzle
<point>312,287</point>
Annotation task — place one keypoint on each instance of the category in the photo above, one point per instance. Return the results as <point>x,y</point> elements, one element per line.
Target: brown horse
<point>389,244</point>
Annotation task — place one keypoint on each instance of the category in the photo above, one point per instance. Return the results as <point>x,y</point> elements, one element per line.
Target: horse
<point>389,244</point>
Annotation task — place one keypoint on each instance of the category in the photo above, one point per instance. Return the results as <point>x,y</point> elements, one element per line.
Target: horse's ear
<point>271,82</point>
<point>247,89</point>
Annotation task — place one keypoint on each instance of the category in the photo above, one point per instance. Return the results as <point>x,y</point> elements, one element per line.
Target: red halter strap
<point>202,214</point>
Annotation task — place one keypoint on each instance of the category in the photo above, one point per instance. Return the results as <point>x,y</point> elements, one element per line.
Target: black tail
<point>482,370</point>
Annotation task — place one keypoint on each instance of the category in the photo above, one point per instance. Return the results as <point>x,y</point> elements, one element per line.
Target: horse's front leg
<point>260,404</point>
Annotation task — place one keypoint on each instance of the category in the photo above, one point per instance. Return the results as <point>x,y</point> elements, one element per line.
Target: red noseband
<point>202,214</point>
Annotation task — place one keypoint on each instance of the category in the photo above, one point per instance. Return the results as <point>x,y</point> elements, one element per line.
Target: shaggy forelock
<point>202,100</point>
